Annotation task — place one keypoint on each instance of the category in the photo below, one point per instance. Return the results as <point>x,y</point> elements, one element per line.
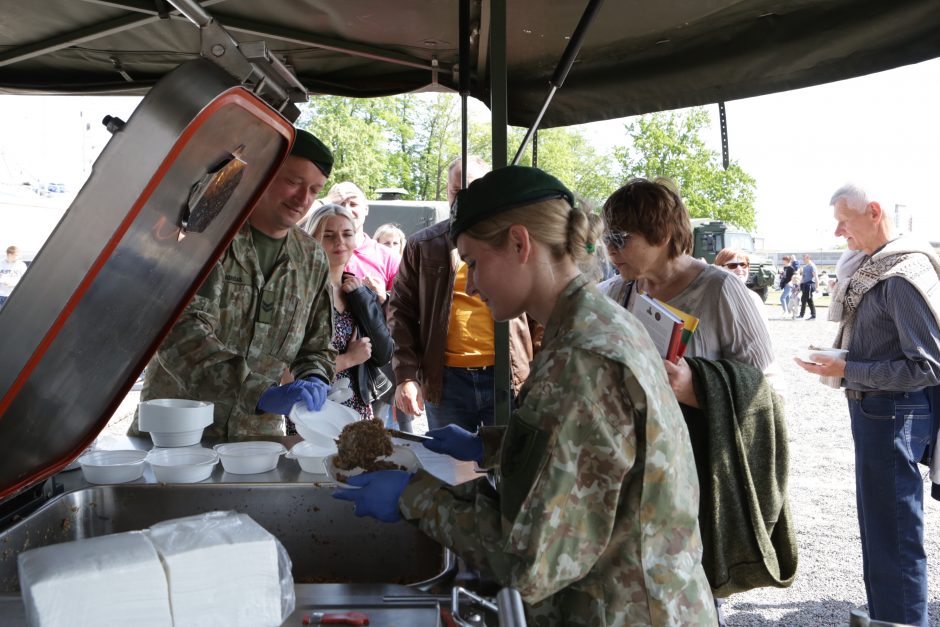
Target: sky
<point>881,131</point>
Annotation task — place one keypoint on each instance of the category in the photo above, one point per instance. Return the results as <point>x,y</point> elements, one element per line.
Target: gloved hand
<point>281,398</point>
<point>377,493</point>
<point>456,442</point>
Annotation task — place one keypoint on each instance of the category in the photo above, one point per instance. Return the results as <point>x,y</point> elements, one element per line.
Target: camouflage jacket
<point>239,334</point>
<point>596,517</point>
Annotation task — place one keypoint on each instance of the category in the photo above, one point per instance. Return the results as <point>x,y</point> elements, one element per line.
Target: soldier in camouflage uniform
<point>595,519</point>
<point>264,308</point>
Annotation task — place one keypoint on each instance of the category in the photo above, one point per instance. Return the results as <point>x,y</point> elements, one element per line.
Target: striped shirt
<point>896,341</point>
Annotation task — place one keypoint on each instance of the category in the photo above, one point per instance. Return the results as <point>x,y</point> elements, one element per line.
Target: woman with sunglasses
<point>738,263</point>
<point>734,417</point>
<point>649,238</point>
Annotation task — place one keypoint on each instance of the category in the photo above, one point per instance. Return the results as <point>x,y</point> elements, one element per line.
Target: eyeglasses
<point>735,264</point>
<point>616,239</point>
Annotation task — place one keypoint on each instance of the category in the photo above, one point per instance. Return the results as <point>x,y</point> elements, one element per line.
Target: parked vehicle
<point>710,236</point>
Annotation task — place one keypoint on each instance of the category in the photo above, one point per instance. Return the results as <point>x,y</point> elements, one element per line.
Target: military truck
<point>410,215</point>
<point>710,236</point>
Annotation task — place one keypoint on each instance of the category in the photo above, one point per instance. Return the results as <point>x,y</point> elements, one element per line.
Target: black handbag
<point>370,322</point>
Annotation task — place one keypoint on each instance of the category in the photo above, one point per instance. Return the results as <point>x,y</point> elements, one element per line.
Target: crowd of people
<point>629,488</point>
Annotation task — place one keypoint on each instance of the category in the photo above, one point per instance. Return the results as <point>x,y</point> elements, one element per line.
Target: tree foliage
<point>670,144</point>
<point>408,141</point>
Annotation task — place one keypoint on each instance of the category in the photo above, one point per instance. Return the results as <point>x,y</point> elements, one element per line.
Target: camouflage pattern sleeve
<point>595,521</point>
<point>561,482</point>
<point>197,361</point>
<point>316,356</point>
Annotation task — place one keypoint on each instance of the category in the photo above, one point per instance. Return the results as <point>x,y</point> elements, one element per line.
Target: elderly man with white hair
<point>889,314</point>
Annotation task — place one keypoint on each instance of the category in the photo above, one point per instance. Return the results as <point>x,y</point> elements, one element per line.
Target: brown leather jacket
<point>419,312</point>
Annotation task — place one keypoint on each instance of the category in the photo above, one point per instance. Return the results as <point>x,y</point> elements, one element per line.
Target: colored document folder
<point>689,324</point>
<point>663,325</point>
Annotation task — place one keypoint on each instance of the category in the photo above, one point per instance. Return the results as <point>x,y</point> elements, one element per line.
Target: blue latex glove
<point>377,493</point>
<point>456,442</point>
<point>281,398</point>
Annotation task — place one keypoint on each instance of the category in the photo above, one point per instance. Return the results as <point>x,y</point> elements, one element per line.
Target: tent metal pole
<point>499,121</point>
<point>562,69</point>
<point>464,85</point>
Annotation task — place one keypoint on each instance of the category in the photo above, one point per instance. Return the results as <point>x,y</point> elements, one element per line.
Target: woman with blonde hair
<point>594,518</point>
<point>391,236</point>
<point>360,333</point>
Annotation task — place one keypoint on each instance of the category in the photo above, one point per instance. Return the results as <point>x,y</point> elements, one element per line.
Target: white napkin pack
<point>219,568</point>
<point>109,580</point>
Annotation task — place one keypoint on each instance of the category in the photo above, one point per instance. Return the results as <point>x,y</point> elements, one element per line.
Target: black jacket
<point>370,320</point>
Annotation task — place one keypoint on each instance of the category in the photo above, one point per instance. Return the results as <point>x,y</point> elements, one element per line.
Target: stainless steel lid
<point>165,198</point>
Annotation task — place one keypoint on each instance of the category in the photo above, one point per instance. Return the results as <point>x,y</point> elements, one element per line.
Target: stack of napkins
<point>222,569</point>
<point>111,580</point>
<point>219,568</point>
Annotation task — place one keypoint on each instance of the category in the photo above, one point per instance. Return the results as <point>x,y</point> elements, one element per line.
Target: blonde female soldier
<point>595,517</point>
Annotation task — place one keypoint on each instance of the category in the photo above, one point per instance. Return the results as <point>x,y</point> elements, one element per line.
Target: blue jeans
<point>467,399</point>
<point>891,434</point>
<point>785,298</point>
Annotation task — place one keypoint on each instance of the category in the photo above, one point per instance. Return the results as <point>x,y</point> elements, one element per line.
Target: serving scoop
<point>411,437</point>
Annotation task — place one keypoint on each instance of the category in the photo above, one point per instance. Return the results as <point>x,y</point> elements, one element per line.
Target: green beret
<point>500,190</point>
<point>306,145</point>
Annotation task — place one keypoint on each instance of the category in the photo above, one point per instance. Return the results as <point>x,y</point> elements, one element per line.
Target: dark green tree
<point>670,144</point>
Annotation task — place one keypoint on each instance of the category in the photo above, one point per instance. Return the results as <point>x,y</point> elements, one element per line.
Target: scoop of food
<point>361,444</point>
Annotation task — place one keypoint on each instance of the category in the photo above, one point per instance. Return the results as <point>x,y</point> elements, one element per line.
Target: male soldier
<point>891,304</point>
<point>444,353</point>
<point>264,308</point>
<point>373,263</point>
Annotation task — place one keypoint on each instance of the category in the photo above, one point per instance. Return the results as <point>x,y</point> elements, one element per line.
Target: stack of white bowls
<point>174,421</point>
<point>176,426</point>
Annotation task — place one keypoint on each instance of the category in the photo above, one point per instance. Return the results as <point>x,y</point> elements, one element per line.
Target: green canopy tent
<point>637,57</point>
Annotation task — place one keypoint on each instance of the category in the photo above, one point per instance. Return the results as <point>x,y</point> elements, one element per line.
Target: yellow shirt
<point>470,330</point>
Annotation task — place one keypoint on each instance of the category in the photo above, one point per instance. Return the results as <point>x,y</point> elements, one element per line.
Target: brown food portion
<point>361,443</point>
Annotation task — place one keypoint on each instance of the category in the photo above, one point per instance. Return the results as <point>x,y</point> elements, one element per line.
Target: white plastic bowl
<point>310,456</point>
<point>113,466</point>
<point>325,424</point>
<point>249,458</point>
<point>174,422</point>
<point>182,465</point>
<point>809,354</point>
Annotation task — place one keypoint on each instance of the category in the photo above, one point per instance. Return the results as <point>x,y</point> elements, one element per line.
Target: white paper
<point>222,569</point>
<point>109,580</point>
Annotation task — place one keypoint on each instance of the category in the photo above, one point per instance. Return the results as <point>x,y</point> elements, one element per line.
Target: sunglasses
<point>615,239</point>
<point>734,265</point>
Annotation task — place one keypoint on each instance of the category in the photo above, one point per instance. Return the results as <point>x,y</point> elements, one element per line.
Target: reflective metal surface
<point>115,273</point>
<point>325,540</point>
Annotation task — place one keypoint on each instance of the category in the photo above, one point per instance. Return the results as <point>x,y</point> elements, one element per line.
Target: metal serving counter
<point>339,561</point>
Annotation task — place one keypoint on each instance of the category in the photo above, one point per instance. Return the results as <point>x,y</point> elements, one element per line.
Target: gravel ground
<point>822,497</point>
